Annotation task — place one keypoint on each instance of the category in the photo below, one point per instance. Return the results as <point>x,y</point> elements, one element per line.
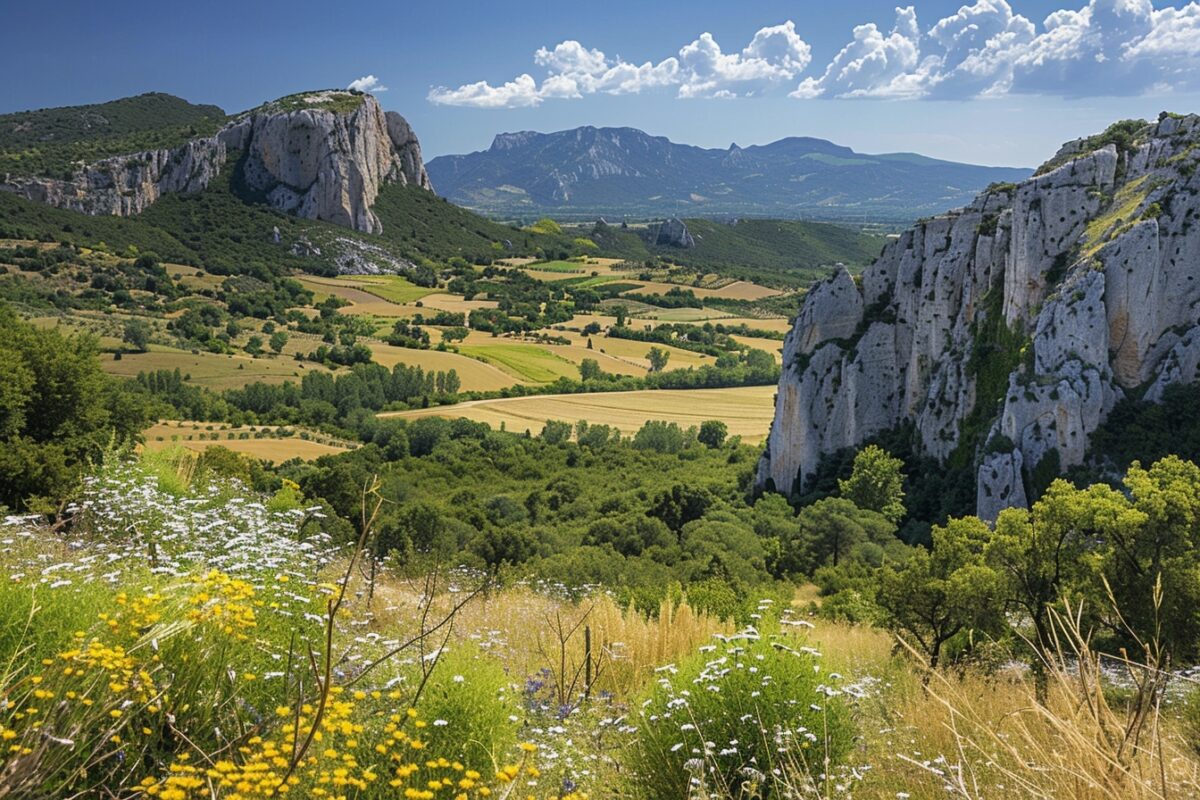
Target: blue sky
<point>988,82</point>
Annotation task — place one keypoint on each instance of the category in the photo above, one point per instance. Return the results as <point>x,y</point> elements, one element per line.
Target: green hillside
<point>230,229</point>
<point>222,229</point>
<point>421,224</point>
<point>49,141</point>
<point>770,251</point>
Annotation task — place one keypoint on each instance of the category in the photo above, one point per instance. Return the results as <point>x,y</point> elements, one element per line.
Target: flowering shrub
<point>163,649</point>
<point>750,717</point>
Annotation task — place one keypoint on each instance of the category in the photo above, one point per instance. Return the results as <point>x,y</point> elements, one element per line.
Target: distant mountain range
<point>589,171</point>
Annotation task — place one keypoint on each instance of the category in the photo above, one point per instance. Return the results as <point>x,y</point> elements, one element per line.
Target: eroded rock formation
<point>1086,277</point>
<point>324,156</point>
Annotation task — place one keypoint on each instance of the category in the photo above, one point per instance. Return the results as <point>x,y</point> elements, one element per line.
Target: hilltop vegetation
<point>51,141</point>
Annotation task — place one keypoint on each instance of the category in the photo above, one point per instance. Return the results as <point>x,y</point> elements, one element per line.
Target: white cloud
<point>701,69</point>
<point>368,83</point>
<point>977,47</point>
<point>774,54</point>
<point>872,64</point>
<point>1082,52</point>
<point>780,45</point>
<point>520,92</point>
<point>1106,47</point>
<point>571,58</point>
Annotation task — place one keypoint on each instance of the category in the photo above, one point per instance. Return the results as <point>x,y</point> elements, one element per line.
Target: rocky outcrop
<point>319,163</point>
<point>673,233</point>
<point>1082,283</point>
<point>320,155</point>
<point>128,184</point>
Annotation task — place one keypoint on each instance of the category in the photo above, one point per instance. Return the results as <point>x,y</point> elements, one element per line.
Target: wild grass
<point>183,639</point>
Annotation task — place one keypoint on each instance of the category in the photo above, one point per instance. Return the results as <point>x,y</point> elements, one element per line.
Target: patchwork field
<point>738,290</point>
<point>746,410</point>
<point>777,324</point>
<point>772,346</point>
<point>618,356</point>
<point>193,277</point>
<point>363,299</point>
<point>440,301</point>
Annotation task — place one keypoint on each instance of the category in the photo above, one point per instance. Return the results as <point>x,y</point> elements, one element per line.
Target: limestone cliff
<point>127,184</point>
<point>1088,277</point>
<point>318,155</point>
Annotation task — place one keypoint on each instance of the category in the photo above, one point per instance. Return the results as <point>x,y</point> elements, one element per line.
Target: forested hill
<point>50,141</point>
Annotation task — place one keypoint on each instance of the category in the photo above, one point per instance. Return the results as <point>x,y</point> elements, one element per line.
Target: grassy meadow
<point>178,643</point>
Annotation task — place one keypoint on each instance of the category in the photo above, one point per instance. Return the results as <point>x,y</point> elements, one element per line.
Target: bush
<point>469,711</point>
<point>749,719</point>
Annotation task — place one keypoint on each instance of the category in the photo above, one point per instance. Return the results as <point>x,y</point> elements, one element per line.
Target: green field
<point>392,288</point>
<point>525,361</point>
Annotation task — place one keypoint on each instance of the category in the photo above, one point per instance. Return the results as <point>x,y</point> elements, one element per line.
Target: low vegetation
<point>52,142</point>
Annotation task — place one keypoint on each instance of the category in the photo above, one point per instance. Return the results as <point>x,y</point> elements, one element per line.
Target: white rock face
<point>1097,262</point>
<point>834,312</point>
<point>319,164</point>
<point>1049,214</point>
<point>1001,484</point>
<point>311,162</point>
<point>126,185</point>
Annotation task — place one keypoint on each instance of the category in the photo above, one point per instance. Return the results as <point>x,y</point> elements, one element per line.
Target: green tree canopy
<point>58,412</point>
<point>876,483</point>
<point>936,595</point>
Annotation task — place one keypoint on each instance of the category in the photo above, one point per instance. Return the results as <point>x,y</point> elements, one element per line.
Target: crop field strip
<point>211,370</point>
<point>476,376</point>
<point>525,361</point>
<point>275,450</point>
<point>746,410</point>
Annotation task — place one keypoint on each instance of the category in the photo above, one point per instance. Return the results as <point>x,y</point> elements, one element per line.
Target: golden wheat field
<point>475,375</point>
<point>210,370</point>
<point>746,410</point>
<point>272,447</point>
<point>772,346</point>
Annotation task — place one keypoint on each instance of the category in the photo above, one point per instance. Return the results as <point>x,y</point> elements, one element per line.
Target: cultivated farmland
<point>746,410</point>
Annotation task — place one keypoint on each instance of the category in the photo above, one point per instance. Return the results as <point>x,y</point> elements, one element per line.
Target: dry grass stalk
<point>1079,743</point>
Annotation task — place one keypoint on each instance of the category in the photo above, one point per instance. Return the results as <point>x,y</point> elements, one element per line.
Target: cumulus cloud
<point>975,49</point>
<point>520,92</point>
<point>1105,47</point>
<point>368,83</point>
<point>872,64</point>
<point>774,54</point>
<point>701,68</point>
